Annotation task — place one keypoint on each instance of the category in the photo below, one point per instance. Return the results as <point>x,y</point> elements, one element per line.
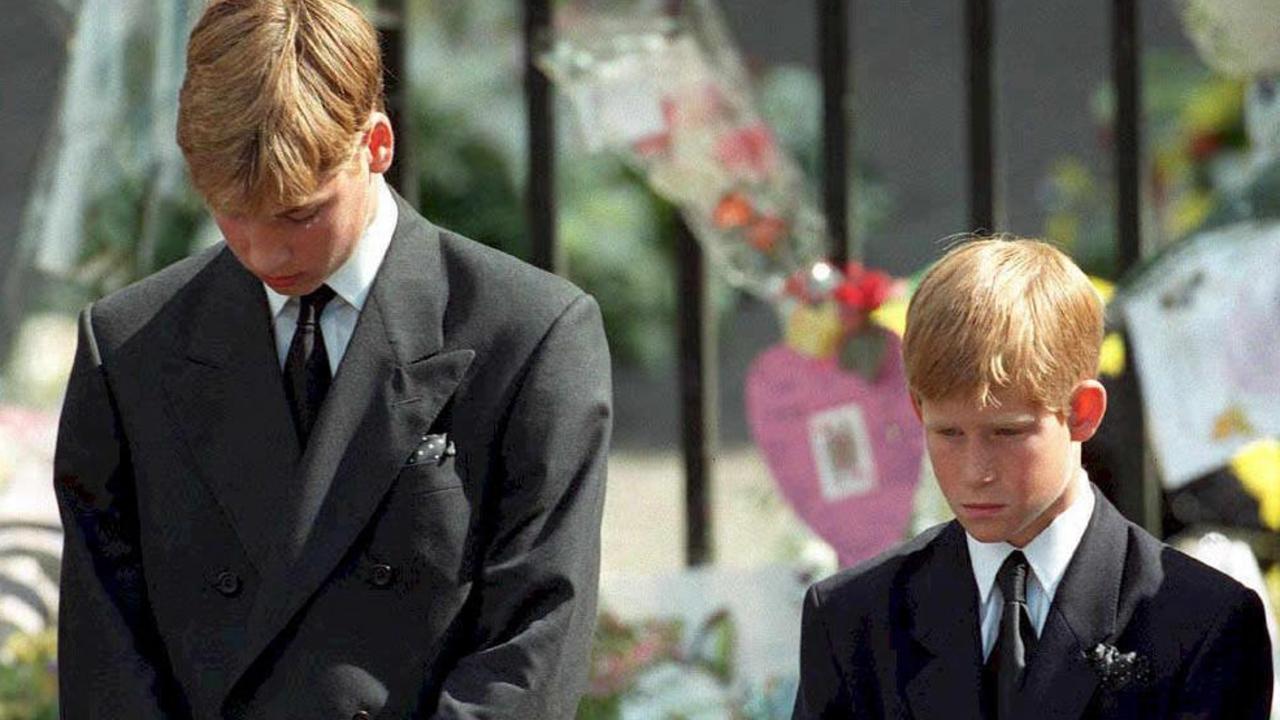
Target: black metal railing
<point>837,130</point>
<point>980,28</point>
<point>697,371</point>
<point>1137,495</point>
<point>540,191</point>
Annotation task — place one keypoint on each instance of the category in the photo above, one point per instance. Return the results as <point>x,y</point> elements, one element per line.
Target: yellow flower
<point>1258,467</point>
<point>893,315</point>
<point>1215,106</point>
<point>1111,359</point>
<point>1105,288</point>
<point>814,331</point>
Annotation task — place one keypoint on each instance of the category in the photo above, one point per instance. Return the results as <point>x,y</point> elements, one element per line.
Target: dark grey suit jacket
<point>212,570</point>
<point>898,636</point>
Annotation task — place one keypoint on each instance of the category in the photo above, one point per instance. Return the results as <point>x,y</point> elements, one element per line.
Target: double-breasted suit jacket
<point>898,637</point>
<point>212,568</point>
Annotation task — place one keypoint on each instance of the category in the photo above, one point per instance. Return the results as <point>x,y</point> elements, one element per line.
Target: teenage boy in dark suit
<point>346,464</point>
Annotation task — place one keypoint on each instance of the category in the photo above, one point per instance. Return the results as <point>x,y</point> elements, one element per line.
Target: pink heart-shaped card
<point>845,451</point>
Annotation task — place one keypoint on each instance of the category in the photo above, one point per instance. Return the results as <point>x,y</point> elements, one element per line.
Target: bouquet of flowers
<point>665,89</point>
<point>648,669</point>
<point>832,313</point>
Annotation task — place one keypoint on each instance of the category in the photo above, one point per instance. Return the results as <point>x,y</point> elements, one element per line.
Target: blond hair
<point>276,95</point>
<point>1003,314</point>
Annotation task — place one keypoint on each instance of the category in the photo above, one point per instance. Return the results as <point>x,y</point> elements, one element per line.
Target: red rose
<point>864,290</point>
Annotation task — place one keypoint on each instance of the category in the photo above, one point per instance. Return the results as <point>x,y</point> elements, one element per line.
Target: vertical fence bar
<point>1125,77</point>
<point>541,186</point>
<point>696,339</point>
<point>1139,501</point>
<point>979,23</point>
<point>697,344</point>
<point>391,23</point>
<point>833,43</point>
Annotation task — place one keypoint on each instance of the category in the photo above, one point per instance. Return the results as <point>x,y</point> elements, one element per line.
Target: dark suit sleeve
<point>111,663</point>
<point>538,583</point>
<point>1230,676</point>
<point>822,692</point>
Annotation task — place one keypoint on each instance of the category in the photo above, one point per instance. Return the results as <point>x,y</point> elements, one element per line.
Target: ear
<point>915,405</point>
<point>1088,405</point>
<point>380,143</point>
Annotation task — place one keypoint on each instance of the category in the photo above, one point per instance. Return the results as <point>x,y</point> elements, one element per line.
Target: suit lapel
<point>392,383</point>
<point>1060,681</point>
<point>942,605</point>
<point>224,390</point>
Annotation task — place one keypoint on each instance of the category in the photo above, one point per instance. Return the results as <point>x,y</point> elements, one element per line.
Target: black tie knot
<point>306,368</point>
<point>313,303</point>
<point>1012,578</point>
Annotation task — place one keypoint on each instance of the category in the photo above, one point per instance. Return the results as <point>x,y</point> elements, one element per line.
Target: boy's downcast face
<point>1006,471</point>
<point>293,250</point>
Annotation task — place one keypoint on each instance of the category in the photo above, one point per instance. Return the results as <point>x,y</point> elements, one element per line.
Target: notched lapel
<point>1060,682</point>
<point>942,604</point>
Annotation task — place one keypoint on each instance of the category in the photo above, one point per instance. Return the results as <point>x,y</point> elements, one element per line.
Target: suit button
<point>228,583</point>
<point>362,715</point>
<point>382,575</point>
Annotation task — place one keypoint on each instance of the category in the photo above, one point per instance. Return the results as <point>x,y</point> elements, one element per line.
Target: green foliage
<point>466,182</point>
<point>1194,125</point>
<point>619,246</point>
<point>119,222</point>
<point>28,677</point>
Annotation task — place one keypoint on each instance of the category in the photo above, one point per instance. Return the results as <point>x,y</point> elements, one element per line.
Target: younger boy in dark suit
<point>1039,600</point>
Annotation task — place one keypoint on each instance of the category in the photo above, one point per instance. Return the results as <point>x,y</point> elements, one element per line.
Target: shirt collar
<point>353,280</point>
<point>1048,553</point>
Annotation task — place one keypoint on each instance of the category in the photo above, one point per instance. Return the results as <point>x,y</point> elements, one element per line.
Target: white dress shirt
<point>351,283</point>
<point>1048,556</point>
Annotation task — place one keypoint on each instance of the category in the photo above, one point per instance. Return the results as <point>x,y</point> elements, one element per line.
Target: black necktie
<point>306,368</point>
<point>1007,664</point>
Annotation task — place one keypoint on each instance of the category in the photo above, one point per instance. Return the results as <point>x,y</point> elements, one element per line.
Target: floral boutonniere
<point>1118,670</point>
